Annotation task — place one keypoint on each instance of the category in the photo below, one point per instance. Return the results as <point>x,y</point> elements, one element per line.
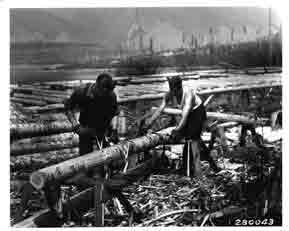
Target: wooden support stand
<point>98,205</point>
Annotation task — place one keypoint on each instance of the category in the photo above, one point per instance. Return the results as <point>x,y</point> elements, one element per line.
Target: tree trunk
<point>41,160</point>
<point>220,116</point>
<point>32,90</point>
<point>48,108</point>
<point>97,158</point>
<point>48,99</point>
<point>28,101</point>
<point>18,149</point>
<point>30,130</point>
<point>84,200</point>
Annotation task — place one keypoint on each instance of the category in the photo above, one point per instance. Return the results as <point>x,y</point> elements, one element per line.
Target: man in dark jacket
<point>98,105</point>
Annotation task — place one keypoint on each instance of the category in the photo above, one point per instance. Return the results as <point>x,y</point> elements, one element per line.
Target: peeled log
<point>29,148</point>
<point>221,117</point>
<point>84,200</point>
<point>89,161</point>
<point>29,130</point>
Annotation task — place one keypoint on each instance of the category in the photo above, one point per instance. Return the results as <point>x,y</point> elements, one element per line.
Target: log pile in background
<point>48,109</point>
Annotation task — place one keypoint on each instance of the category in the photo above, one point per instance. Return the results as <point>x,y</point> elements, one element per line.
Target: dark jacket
<point>95,111</point>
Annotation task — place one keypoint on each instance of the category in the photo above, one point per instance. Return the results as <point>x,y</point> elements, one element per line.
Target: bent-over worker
<point>192,120</point>
<point>98,105</point>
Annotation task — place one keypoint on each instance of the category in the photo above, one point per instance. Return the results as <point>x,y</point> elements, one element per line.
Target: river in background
<point>37,73</point>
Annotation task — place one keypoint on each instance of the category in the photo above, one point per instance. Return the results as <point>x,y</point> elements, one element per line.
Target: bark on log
<point>41,94</point>
<point>50,117</point>
<point>86,162</point>
<point>28,101</point>
<point>31,130</point>
<point>17,150</point>
<point>220,117</point>
<point>47,108</point>
<point>41,160</point>
<point>32,90</point>
<point>46,139</point>
<point>84,200</point>
<point>48,99</point>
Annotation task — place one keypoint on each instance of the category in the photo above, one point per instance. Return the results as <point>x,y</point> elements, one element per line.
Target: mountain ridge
<point>110,26</point>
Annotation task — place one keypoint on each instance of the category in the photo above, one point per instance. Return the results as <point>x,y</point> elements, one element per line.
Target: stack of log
<point>56,123</point>
<point>43,136</point>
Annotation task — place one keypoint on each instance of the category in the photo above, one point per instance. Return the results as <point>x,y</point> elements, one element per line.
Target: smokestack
<point>232,35</point>
<point>151,45</point>
<point>141,41</point>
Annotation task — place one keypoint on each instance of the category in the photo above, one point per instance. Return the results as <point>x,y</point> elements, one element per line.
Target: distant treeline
<point>249,54</point>
<point>73,55</point>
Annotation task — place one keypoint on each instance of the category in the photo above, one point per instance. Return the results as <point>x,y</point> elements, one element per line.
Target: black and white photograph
<point>145,117</point>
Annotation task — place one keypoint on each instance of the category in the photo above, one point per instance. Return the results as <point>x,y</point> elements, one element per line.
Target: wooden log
<point>50,117</point>
<point>140,98</point>
<point>16,150</point>
<point>239,88</point>
<point>221,117</point>
<point>60,107</point>
<point>48,108</point>
<point>29,130</point>
<point>28,101</point>
<point>32,90</point>
<point>41,160</point>
<point>69,168</point>
<point>98,205</point>
<point>48,99</point>
<point>84,200</point>
<point>224,125</point>
<point>46,139</point>
<point>160,79</point>
<point>63,97</point>
<point>212,75</point>
<point>202,92</point>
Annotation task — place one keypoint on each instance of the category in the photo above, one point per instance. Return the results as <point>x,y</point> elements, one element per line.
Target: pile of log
<point>53,102</point>
<point>46,145</point>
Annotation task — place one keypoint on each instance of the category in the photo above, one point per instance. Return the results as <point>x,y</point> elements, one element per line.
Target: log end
<point>37,180</point>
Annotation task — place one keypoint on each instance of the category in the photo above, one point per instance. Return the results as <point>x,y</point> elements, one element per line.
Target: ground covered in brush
<point>247,189</point>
